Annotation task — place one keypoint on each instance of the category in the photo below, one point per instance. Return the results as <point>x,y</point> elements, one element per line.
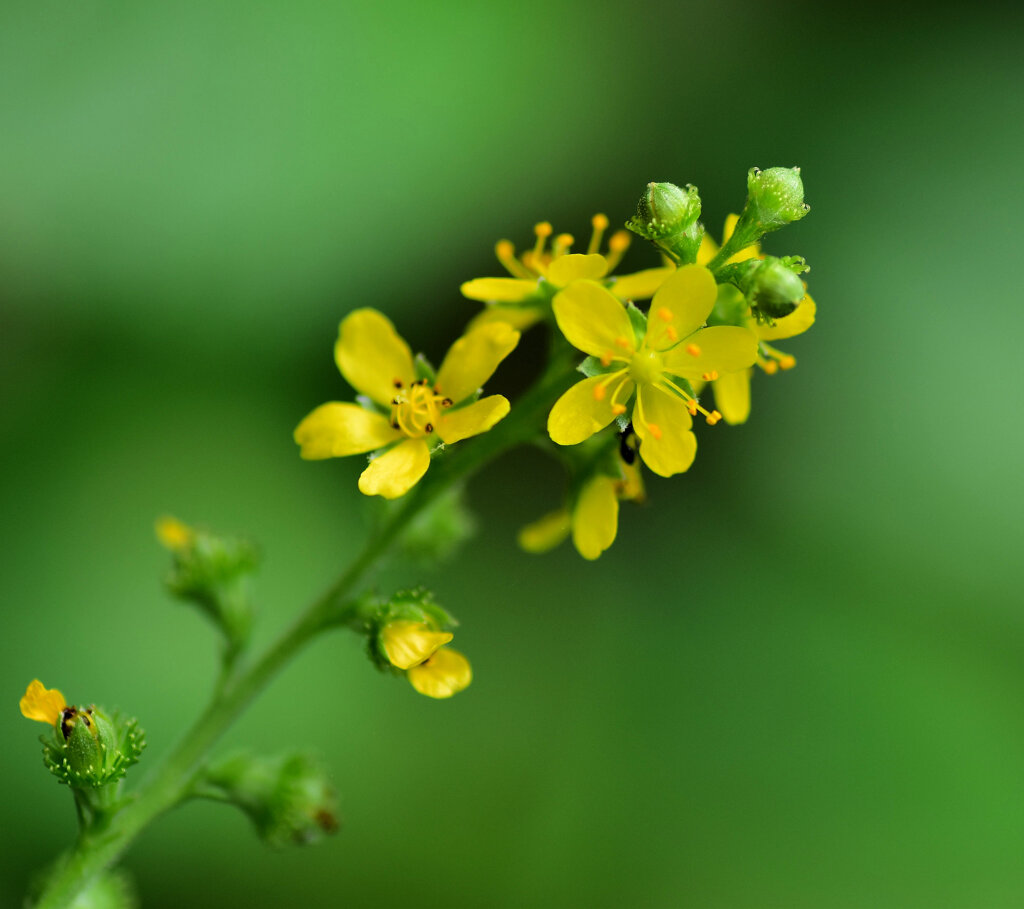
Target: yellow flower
<point>174,535</point>
<point>732,390</point>
<point>594,519</point>
<point>445,673</point>
<point>674,345</point>
<point>557,269</point>
<point>42,704</point>
<point>408,644</point>
<point>378,364</point>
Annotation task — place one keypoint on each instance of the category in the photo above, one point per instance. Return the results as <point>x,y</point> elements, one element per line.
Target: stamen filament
<point>692,404</point>
<point>543,231</point>
<point>617,246</point>
<point>506,254</point>
<point>600,225</point>
<point>562,244</point>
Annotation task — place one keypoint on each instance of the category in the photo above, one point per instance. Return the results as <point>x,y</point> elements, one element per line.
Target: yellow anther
<point>618,409</point>
<point>769,366</point>
<point>710,376</point>
<point>713,417</point>
<point>600,224</point>
<point>619,241</point>
<point>672,334</point>
<point>665,314</point>
<point>543,229</point>
<point>599,392</point>
<point>787,361</point>
<point>693,350</point>
<point>691,406</point>
<point>562,243</point>
<point>504,249</point>
<point>606,360</point>
<point>655,430</point>
<point>623,343</point>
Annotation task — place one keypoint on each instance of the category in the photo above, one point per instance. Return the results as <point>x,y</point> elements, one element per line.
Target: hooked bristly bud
<point>665,210</point>
<point>87,747</point>
<point>289,799</point>
<point>776,196</point>
<point>774,289</point>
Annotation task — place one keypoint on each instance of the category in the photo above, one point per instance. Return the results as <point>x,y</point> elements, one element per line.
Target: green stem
<point>169,783</point>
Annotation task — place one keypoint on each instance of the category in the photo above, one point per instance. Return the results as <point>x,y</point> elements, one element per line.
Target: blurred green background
<point>795,680</point>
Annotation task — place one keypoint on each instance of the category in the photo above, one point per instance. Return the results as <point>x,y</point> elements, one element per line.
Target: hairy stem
<point>100,847</point>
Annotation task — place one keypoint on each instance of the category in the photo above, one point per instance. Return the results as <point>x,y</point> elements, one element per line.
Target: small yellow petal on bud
<point>174,535</point>
<point>409,643</point>
<point>446,673</point>
<point>42,704</point>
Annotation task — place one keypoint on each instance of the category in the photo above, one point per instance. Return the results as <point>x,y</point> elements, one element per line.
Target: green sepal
<point>88,748</point>
<point>731,307</point>
<point>415,605</point>
<point>289,799</point>
<point>424,369</point>
<point>639,322</point>
<point>592,366</point>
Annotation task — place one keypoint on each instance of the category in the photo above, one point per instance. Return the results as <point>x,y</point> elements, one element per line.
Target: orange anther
<point>564,240</point>
<point>543,229</point>
<point>665,314</point>
<point>710,376</point>
<point>787,362</point>
<point>672,334</point>
<point>599,392</point>
<point>693,350</point>
<point>655,430</point>
<point>618,409</point>
<point>599,222</point>
<point>504,249</point>
<point>714,417</point>
<point>692,407</point>
<point>606,360</point>
<point>770,367</point>
<point>619,241</point>
<point>623,343</point>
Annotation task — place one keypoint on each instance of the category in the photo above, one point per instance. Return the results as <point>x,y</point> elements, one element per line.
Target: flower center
<point>416,410</point>
<point>646,366</point>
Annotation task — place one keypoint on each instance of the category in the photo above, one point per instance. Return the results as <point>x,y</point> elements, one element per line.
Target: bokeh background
<point>795,680</point>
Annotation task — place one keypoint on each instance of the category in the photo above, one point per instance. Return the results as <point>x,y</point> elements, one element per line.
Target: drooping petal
<point>518,317</point>
<point>640,285</point>
<point>372,356</point>
<point>446,673</point>
<point>681,305</point>
<point>721,348</point>
<point>41,703</point>
<point>797,322</point>
<point>335,430</point>
<point>579,413</point>
<point>575,266</point>
<point>595,520</point>
<point>732,396</point>
<point>593,320</point>
<point>408,644</point>
<point>396,471</point>
<point>472,419</point>
<point>499,290</point>
<point>472,359</point>
<point>545,533</point>
<point>662,422</point>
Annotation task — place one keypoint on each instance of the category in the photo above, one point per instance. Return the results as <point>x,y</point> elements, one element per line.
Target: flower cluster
<point>713,312</point>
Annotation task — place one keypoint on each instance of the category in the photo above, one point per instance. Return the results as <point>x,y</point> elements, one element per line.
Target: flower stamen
<point>506,254</point>
<point>617,246</point>
<point>600,225</point>
<point>692,405</point>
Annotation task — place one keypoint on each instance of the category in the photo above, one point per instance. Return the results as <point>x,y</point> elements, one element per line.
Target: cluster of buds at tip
<point>86,747</point>
<point>667,215</point>
<point>407,634</point>
<point>289,799</point>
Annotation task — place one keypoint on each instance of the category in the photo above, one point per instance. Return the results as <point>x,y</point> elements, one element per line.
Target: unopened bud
<point>665,210</point>
<point>774,290</point>
<point>776,196</point>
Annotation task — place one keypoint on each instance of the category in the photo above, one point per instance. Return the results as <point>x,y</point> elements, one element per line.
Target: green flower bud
<point>90,748</point>
<point>665,210</point>
<point>289,798</point>
<point>774,290</point>
<point>776,196</point>
<point>407,625</point>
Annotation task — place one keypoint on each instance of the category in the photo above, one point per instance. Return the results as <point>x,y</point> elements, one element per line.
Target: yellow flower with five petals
<point>674,346</point>
<point>554,270</point>
<point>375,361</point>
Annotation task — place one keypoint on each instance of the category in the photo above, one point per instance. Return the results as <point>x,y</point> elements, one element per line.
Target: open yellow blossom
<point>594,519</point>
<point>408,644</point>
<point>732,390</point>
<point>42,704</point>
<point>674,346</point>
<point>379,364</point>
<point>557,268</point>
<point>445,673</point>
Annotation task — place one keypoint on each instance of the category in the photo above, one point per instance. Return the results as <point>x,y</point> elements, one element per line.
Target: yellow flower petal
<point>472,419</point>
<point>446,673</point>
<point>518,317</point>
<point>663,423</point>
<point>41,703</point>
<point>594,321</point>
<point>545,533</point>
<point>499,290</point>
<point>707,251</point>
<point>472,359</point>
<point>640,285</point>
<point>722,348</point>
<point>173,534</point>
<point>335,430</point>
<point>797,322</point>
<point>681,305</point>
<point>578,414</point>
<point>396,471</point>
<point>732,396</point>
<point>408,644</point>
<point>631,487</point>
<point>595,519</point>
<point>576,266</point>
<point>372,356</point>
